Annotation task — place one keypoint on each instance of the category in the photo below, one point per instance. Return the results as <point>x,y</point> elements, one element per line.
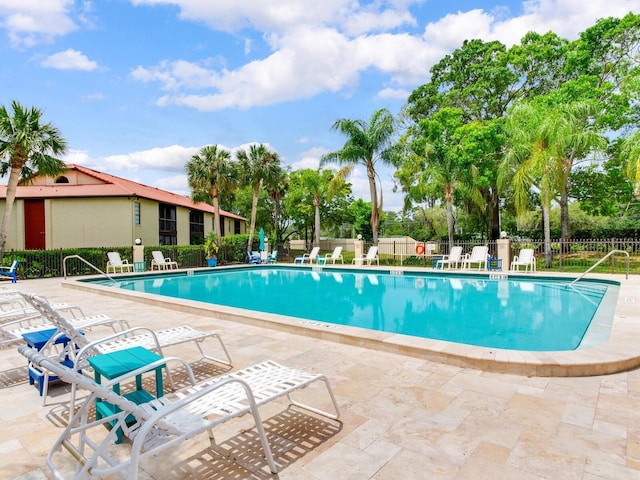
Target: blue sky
<point>138,86</point>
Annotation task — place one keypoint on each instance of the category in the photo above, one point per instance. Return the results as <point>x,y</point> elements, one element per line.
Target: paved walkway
<point>402,417</point>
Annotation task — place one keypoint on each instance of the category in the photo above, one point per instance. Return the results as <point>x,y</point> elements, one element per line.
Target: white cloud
<point>328,47</point>
<point>69,60</point>
<point>29,22</point>
<point>310,159</point>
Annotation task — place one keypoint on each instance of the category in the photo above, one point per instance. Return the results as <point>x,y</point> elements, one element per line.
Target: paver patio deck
<point>403,417</point>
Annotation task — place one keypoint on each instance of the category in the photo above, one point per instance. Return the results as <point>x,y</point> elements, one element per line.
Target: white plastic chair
<point>164,423</point>
<point>162,262</point>
<point>137,336</point>
<point>308,257</point>
<point>479,256</point>
<point>369,258</point>
<point>333,257</point>
<point>454,258</point>
<point>116,263</point>
<point>525,258</point>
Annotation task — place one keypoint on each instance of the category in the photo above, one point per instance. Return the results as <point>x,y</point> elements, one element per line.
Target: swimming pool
<point>506,312</point>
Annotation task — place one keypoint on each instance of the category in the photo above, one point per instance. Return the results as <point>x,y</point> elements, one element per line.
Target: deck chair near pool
<point>331,257</point>
<point>161,425</point>
<point>525,258</point>
<point>253,258</point>
<point>308,257</point>
<point>454,258</point>
<point>116,263</point>
<point>11,272</point>
<point>161,262</point>
<point>478,256</point>
<point>137,336</point>
<point>369,258</point>
<point>273,257</point>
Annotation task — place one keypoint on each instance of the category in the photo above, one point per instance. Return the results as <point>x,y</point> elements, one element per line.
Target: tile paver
<point>403,417</point>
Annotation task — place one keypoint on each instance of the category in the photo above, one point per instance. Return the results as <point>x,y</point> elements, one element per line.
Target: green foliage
<point>211,245</point>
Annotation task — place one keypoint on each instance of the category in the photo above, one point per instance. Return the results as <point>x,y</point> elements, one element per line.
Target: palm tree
<point>322,185</point>
<point>255,166</point>
<point>544,144</point>
<point>27,149</point>
<point>276,187</point>
<point>367,143</point>
<point>210,174</point>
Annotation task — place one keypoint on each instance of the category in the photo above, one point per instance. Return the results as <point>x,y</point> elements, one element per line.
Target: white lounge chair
<point>308,257</point>
<point>137,336</point>
<point>479,256</point>
<point>116,263</point>
<point>454,258</point>
<point>525,258</point>
<point>369,258</point>
<point>161,262</point>
<point>164,423</point>
<point>11,332</point>
<point>333,257</point>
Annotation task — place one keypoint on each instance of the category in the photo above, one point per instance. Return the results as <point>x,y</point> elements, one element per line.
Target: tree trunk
<point>547,235</point>
<point>254,213</point>
<point>12,186</point>
<point>494,215</point>
<point>316,203</point>
<point>373,190</point>
<point>216,216</point>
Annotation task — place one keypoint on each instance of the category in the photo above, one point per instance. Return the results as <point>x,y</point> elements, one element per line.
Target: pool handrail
<point>64,266</point>
<point>602,260</point>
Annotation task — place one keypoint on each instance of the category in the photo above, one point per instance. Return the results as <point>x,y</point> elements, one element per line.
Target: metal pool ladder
<point>602,260</point>
<point>64,266</point>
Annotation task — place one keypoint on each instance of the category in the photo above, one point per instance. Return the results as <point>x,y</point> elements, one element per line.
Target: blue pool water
<point>514,313</point>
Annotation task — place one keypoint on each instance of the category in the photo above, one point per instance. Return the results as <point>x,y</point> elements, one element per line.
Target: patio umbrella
<point>261,239</point>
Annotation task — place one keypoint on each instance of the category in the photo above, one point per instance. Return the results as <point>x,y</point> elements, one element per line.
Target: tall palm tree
<point>366,145</point>
<point>255,166</point>
<point>530,162</point>
<point>276,187</point>
<point>323,186</point>
<point>210,174</point>
<point>27,149</point>
<point>545,142</point>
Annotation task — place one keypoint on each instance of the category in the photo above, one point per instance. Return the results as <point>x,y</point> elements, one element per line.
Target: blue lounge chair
<point>253,257</point>
<point>273,257</point>
<point>11,271</point>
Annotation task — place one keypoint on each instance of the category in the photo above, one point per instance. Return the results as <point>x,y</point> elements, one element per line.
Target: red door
<point>34,234</point>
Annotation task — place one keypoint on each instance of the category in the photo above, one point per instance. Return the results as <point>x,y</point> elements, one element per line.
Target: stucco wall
<point>89,222</point>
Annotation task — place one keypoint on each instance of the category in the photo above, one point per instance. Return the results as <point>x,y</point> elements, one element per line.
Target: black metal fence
<point>575,255</point>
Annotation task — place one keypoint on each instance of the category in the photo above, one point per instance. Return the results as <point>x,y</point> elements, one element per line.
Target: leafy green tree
<point>276,187</point>
<point>255,166</point>
<point>360,212</point>
<point>28,148</point>
<point>314,194</point>
<point>211,174</point>
<point>367,144</point>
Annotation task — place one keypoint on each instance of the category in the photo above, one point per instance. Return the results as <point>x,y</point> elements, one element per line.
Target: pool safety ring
<point>419,249</point>
<point>419,282</point>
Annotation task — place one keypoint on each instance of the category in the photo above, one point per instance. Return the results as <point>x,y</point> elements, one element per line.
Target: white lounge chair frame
<point>309,257</point>
<point>479,256</point>
<point>166,422</point>
<point>137,336</point>
<point>162,262</point>
<point>369,258</point>
<point>115,263</point>
<point>332,257</point>
<point>454,258</point>
<point>525,258</point>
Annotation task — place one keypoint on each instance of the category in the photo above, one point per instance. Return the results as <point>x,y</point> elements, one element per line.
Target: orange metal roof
<point>112,187</point>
